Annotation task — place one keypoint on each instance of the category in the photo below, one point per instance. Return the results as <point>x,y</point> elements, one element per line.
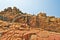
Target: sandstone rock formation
<point>15,32</point>
<point>16,25</point>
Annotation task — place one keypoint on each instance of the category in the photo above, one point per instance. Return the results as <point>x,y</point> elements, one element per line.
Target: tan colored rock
<point>50,23</point>
<point>42,15</point>
<point>52,19</point>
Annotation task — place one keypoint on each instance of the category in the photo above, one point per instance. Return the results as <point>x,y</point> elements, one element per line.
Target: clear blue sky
<point>50,7</point>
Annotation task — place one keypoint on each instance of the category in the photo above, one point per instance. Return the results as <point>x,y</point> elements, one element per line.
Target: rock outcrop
<point>16,25</point>
<point>15,31</point>
<point>41,20</point>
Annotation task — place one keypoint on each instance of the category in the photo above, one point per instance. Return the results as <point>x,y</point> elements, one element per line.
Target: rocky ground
<point>14,31</point>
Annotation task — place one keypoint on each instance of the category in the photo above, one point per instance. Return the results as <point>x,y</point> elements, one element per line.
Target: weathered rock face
<point>48,22</point>
<point>10,13</point>
<point>14,31</point>
<point>16,25</point>
<point>41,20</point>
<point>32,21</point>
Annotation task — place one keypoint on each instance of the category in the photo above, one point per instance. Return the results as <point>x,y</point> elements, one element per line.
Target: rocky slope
<point>41,20</point>
<point>16,25</point>
<point>18,31</point>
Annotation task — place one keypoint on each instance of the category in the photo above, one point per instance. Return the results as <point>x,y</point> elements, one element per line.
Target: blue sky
<point>50,7</point>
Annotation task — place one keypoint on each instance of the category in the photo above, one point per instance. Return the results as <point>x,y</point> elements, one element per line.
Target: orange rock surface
<point>16,25</point>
